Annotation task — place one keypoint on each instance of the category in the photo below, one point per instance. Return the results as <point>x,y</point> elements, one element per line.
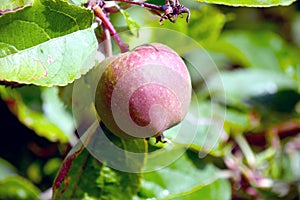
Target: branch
<point>142,4</point>
<point>106,22</point>
<point>171,10</point>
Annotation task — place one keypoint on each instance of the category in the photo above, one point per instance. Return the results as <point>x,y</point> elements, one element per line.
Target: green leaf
<point>283,101</point>
<point>78,2</point>
<point>259,49</point>
<point>34,172</point>
<point>77,176</point>
<point>211,123</point>
<point>16,188</point>
<point>239,85</point>
<point>220,189</point>
<point>55,111</point>
<point>52,166</point>
<point>6,169</point>
<point>11,4</point>
<point>82,176</point>
<point>37,108</point>
<point>186,178</point>
<point>132,24</point>
<point>205,25</point>
<point>36,49</point>
<point>251,3</point>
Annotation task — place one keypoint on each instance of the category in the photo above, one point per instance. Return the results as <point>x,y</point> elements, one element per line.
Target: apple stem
<point>106,23</point>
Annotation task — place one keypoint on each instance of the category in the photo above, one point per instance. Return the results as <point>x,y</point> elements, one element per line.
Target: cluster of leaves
<point>50,43</point>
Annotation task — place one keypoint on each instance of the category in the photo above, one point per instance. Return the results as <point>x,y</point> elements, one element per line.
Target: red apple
<point>143,92</point>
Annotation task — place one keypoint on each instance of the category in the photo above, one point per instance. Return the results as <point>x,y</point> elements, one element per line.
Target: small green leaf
<point>52,166</point>
<point>237,121</point>
<point>6,169</point>
<point>17,188</point>
<point>36,49</point>
<point>132,24</point>
<point>206,24</point>
<point>11,4</point>
<point>251,3</point>
<point>34,172</point>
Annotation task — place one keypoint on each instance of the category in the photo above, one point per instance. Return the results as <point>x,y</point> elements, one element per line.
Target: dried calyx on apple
<point>143,92</point>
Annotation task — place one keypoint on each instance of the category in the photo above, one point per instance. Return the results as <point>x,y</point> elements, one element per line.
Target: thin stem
<point>142,4</point>
<point>105,21</point>
<point>152,7</point>
<point>107,42</point>
<point>246,149</point>
<point>171,10</point>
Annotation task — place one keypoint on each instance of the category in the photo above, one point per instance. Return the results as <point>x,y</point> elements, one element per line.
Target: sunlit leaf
<point>6,169</point>
<point>11,4</point>
<point>206,24</point>
<point>16,187</point>
<point>36,49</point>
<point>78,2</point>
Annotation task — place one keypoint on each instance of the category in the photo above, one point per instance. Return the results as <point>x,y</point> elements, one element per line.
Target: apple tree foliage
<point>46,45</point>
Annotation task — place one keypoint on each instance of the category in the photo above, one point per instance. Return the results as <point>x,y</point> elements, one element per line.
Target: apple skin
<point>153,90</point>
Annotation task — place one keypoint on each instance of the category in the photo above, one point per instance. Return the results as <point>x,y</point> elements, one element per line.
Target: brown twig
<point>171,10</point>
